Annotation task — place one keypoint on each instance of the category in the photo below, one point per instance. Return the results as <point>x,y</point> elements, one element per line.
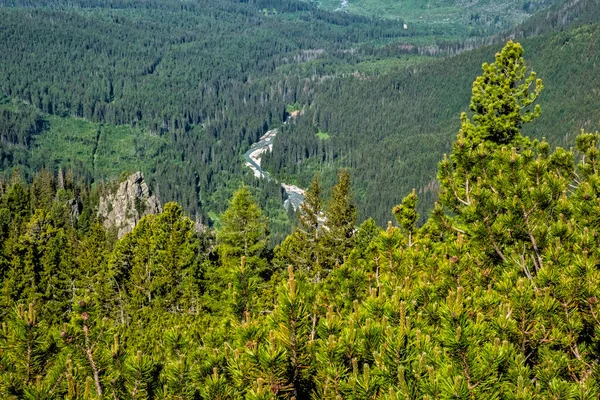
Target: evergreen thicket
<point>495,296</point>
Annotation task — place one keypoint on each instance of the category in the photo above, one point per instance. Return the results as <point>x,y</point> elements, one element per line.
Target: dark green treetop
<point>244,229</point>
<point>340,218</point>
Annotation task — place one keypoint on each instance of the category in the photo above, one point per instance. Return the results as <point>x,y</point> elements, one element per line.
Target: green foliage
<point>465,17</point>
<point>501,97</point>
<point>407,215</point>
<point>340,219</point>
<point>67,102</point>
<point>241,245</point>
<point>157,266</point>
<point>495,297</point>
<point>391,130</point>
<point>141,378</point>
<point>155,100</point>
<point>25,351</point>
<point>304,247</point>
<point>243,229</point>
<point>322,135</point>
<point>292,331</point>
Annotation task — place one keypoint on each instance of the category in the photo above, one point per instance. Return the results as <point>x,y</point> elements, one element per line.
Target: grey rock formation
<point>123,208</point>
<point>74,206</point>
<point>199,226</point>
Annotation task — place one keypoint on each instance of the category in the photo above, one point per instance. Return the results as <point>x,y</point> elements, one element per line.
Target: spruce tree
<point>304,248</point>
<point>92,259</point>
<point>243,232</point>
<point>340,220</point>
<point>241,245</point>
<point>311,208</point>
<point>154,269</point>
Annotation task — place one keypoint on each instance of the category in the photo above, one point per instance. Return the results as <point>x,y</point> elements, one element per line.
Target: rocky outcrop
<point>123,208</point>
<point>74,207</point>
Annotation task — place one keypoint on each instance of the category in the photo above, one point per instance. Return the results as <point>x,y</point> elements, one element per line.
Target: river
<point>295,195</point>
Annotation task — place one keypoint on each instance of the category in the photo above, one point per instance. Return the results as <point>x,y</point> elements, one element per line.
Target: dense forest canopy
<point>392,130</point>
<point>179,90</point>
<point>478,15</point>
<point>495,296</point>
<point>484,285</point>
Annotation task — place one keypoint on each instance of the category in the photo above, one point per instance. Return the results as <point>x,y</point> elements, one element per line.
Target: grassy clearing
<point>322,135</point>
<point>97,150</point>
<point>126,148</point>
<point>67,142</point>
<point>475,14</point>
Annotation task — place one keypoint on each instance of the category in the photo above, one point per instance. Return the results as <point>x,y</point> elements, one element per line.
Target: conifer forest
<point>447,242</point>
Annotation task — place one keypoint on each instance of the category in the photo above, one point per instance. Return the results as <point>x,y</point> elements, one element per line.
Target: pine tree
<point>243,232</point>
<point>27,350</point>
<point>304,248</point>
<point>407,215</point>
<point>331,369</point>
<point>367,231</point>
<point>216,387</point>
<point>178,370</point>
<point>340,220</point>
<point>504,197</point>
<point>501,99</point>
<point>244,289</point>
<point>140,376</point>
<point>293,331</point>
<point>86,340</point>
<point>388,247</point>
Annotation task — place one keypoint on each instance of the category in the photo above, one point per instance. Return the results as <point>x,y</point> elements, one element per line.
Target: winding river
<point>295,195</point>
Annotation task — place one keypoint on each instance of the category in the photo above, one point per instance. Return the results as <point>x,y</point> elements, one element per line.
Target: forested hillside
<point>494,297</point>
<point>474,17</point>
<point>202,77</point>
<point>179,90</point>
<point>391,130</point>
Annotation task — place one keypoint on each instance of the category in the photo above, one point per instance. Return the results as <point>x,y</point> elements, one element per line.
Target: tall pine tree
<point>340,220</point>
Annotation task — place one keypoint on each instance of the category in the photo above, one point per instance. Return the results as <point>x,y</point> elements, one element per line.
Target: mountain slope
<point>392,130</point>
<point>472,17</point>
<point>199,79</point>
<point>181,90</point>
